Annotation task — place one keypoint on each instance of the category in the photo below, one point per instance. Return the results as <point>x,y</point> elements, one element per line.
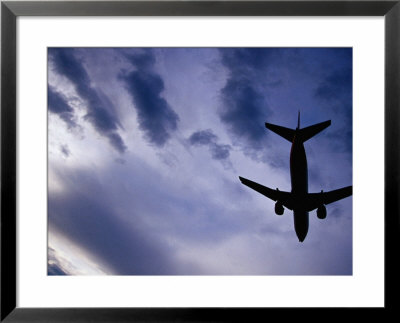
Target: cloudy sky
<point>146,146</point>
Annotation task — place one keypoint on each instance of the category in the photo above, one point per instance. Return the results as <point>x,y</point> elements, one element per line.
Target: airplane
<point>299,200</point>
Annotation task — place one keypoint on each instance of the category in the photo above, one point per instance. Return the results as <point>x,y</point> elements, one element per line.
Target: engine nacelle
<point>279,208</point>
<point>321,212</point>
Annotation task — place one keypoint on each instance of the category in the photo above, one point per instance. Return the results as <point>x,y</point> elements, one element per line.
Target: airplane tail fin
<point>311,131</point>
<point>304,134</point>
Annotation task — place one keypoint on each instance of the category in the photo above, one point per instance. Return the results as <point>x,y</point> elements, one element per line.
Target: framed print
<point>138,136</point>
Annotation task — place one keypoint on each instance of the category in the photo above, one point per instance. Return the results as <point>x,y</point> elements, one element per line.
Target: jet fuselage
<point>299,200</point>
<point>299,181</point>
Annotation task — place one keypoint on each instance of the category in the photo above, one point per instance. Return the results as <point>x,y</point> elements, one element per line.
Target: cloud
<point>241,60</point>
<point>244,106</point>
<point>335,89</point>
<point>209,139</point>
<point>65,150</point>
<point>274,83</point>
<point>57,104</point>
<point>244,117</point>
<point>66,259</point>
<point>182,213</point>
<point>84,215</point>
<point>156,117</point>
<point>335,93</point>
<point>204,137</point>
<point>336,86</point>
<point>55,265</point>
<point>100,112</point>
<point>55,270</point>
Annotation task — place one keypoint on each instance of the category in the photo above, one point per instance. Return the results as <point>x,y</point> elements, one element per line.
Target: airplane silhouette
<point>299,200</point>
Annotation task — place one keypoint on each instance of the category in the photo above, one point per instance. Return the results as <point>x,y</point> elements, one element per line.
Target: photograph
<point>199,161</point>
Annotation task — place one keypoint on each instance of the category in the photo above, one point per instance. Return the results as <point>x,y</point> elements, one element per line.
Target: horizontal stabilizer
<point>311,131</point>
<point>286,133</point>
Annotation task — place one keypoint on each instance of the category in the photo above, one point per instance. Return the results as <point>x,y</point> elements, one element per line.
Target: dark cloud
<point>241,60</point>
<point>335,89</point>
<point>220,152</point>
<point>244,107</point>
<point>100,112</point>
<point>143,60</point>
<point>57,104</point>
<point>156,118</point>
<point>341,140</point>
<point>116,141</point>
<point>336,86</point>
<point>208,138</point>
<point>65,150</point>
<point>261,80</point>
<point>55,270</point>
<point>336,94</point>
<point>242,111</point>
<point>204,137</point>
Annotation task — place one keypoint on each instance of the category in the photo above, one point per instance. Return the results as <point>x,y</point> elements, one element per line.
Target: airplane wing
<point>276,195</point>
<point>314,200</point>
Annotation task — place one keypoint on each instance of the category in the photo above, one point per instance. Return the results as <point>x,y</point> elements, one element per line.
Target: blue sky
<point>146,146</point>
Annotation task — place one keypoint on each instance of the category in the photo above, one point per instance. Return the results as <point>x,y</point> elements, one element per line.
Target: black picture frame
<point>10,10</point>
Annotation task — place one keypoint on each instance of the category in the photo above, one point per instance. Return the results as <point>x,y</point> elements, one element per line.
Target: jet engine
<point>321,212</point>
<point>279,208</point>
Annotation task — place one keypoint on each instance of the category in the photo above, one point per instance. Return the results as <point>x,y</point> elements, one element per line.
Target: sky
<point>145,146</point>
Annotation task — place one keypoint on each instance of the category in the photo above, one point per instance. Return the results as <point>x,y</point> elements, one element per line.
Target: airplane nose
<point>301,236</point>
<point>301,226</point>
